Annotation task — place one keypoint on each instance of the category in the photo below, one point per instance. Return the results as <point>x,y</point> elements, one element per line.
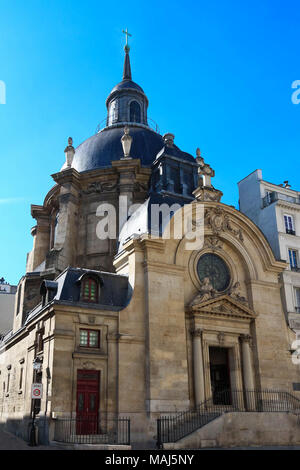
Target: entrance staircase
<point>172,428</point>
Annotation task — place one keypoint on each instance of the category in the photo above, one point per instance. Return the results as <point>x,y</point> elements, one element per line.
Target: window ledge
<point>95,353</point>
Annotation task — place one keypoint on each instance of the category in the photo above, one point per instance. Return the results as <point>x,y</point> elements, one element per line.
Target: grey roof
<point>175,152</point>
<point>114,292</point>
<point>127,84</point>
<point>142,222</point>
<point>101,149</point>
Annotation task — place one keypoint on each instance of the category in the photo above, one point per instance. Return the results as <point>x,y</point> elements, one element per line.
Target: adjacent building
<point>275,209</point>
<point>7,303</point>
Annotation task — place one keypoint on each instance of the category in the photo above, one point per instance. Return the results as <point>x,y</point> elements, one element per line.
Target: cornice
<point>67,176</point>
<point>164,268</point>
<point>257,282</point>
<point>152,243</point>
<point>125,338</point>
<point>40,212</point>
<point>89,355</point>
<point>130,164</point>
<point>288,205</point>
<point>222,306</point>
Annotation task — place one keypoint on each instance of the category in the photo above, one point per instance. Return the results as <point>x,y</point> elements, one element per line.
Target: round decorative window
<point>213,267</point>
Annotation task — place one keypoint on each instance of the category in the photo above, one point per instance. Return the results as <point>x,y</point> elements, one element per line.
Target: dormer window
<point>135,112</point>
<point>90,289</point>
<point>48,291</point>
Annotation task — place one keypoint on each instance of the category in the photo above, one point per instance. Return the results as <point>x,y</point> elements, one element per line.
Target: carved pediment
<point>223,305</point>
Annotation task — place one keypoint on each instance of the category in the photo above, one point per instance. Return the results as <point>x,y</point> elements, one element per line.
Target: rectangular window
<point>289,224</point>
<point>297,299</point>
<point>21,378</point>
<point>89,338</point>
<point>8,380</point>
<point>18,298</point>
<point>39,341</point>
<point>293,258</point>
<point>268,197</point>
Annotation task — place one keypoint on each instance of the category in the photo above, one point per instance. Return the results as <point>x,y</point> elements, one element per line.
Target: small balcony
<point>275,196</point>
<point>296,269</point>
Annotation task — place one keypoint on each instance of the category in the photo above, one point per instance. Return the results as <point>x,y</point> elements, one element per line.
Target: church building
<point>133,333</point>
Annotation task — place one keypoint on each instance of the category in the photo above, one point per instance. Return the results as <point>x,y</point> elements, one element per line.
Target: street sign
<point>36,391</point>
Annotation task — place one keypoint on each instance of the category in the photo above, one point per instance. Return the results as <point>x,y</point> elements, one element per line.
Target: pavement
<point>9,441</point>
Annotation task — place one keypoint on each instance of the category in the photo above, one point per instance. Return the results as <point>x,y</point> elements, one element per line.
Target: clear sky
<point>218,75</point>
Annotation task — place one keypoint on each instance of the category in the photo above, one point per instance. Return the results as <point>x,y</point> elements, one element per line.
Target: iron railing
<point>92,430</point>
<point>275,196</point>
<point>104,123</point>
<point>295,269</point>
<point>173,427</point>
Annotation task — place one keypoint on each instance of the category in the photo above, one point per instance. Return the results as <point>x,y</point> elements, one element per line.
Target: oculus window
<point>213,267</point>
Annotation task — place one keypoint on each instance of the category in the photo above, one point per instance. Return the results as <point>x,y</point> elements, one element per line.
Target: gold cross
<point>127,34</point>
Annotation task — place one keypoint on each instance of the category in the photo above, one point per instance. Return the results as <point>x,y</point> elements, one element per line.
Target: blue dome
<point>101,149</point>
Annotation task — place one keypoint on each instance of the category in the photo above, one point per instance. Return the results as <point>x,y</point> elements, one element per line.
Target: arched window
<point>55,227</point>
<point>113,112</point>
<point>90,290</point>
<point>135,112</point>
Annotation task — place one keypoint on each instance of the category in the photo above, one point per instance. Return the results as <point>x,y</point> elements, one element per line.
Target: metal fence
<point>173,427</point>
<point>91,430</point>
<point>104,123</point>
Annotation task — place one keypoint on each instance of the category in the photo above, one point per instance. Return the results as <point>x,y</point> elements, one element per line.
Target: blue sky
<point>217,74</point>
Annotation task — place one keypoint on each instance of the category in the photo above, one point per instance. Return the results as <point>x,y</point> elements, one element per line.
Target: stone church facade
<point>137,325</point>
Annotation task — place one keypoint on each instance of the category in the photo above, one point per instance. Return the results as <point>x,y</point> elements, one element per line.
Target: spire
<point>126,69</point>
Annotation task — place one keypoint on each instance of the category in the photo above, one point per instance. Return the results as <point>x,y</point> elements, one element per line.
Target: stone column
<point>64,253</point>
<point>41,237</point>
<point>198,366</point>
<point>127,169</point>
<point>247,370</point>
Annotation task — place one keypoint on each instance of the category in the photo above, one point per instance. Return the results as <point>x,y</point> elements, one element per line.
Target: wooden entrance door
<point>220,376</point>
<point>87,402</point>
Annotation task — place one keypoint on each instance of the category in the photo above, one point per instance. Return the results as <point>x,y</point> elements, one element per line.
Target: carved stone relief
<point>100,187</point>
<point>218,220</point>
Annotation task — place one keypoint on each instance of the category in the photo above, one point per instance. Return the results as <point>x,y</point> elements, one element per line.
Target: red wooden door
<point>87,402</point>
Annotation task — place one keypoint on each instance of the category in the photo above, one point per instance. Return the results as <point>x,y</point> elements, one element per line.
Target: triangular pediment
<point>223,305</point>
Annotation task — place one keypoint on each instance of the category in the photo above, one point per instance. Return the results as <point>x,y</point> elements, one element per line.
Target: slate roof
<point>101,149</point>
<point>114,292</point>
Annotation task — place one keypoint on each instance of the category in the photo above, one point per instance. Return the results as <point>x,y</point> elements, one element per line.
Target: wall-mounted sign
<point>36,391</point>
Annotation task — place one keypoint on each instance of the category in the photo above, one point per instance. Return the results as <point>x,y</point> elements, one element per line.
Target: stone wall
<point>244,429</point>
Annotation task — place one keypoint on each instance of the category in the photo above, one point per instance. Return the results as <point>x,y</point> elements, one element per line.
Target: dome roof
<point>101,149</point>
<point>104,147</point>
<point>127,84</point>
